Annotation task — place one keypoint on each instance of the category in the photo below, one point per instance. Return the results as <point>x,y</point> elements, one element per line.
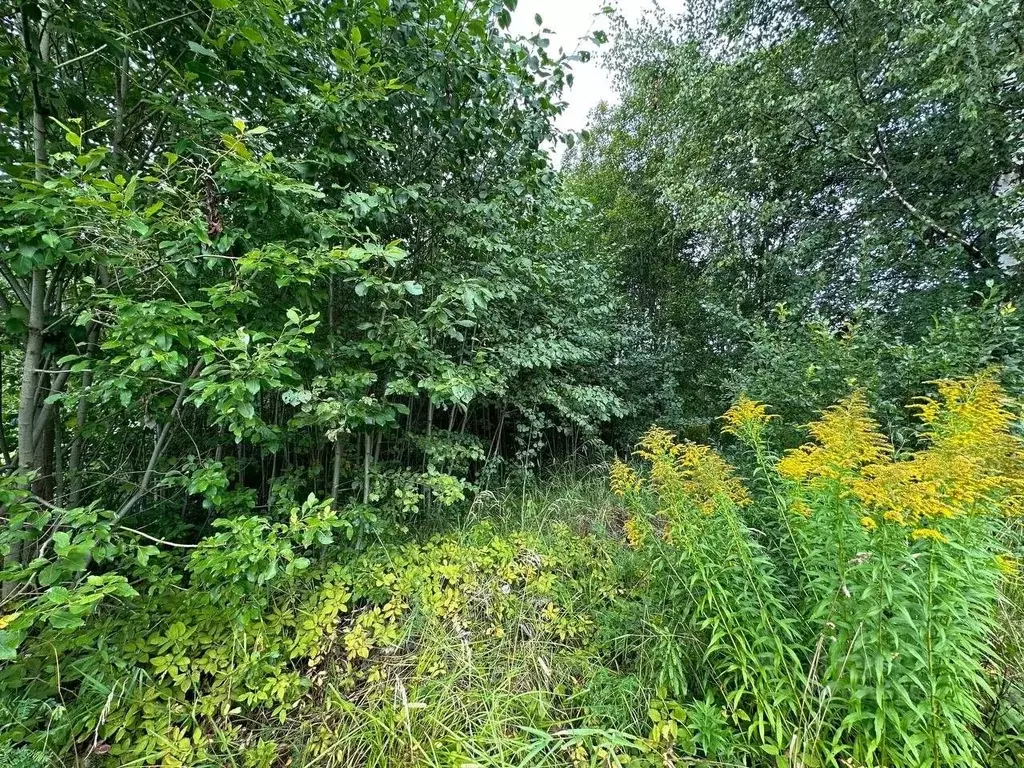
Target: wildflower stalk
<point>888,619</point>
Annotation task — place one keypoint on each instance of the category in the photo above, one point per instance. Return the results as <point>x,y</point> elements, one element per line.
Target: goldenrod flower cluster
<point>709,480</point>
<point>972,462</point>
<point>800,507</point>
<point>972,458</point>
<point>844,439</point>
<point>624,480</point>
<point>970,429</point>
<point>682,470</point>
<point>929,534</point>
<point>634,532</point>
<point>747,420</point>
<point>659,447</point>
<point>657,444</point>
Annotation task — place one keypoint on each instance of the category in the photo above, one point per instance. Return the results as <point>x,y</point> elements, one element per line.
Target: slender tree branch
<point>126,36</point>
<point>159,541</point>
<point>158,447</point>
<point>16,285</point>
<point>42,419</point>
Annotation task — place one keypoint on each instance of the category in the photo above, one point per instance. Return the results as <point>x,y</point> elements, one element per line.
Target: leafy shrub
<point>802,366</point>
<point>261,630</point>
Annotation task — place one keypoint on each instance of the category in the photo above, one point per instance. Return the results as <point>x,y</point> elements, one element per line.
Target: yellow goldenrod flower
<point>659,447</point>
<point>656,444</point>
<point>868,523</point>
<point>708,480</point>
<point>972,460</point>
<point>845,438</point>
<point>686,471</point>
<point>624,480</point>
<point>634,533</point>
<point>801,508</point>
<point>930,534</point>
<point>746,420</point>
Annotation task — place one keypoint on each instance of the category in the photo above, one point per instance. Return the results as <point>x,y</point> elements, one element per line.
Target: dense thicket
<point>265,249</point>
<point>254,251</point>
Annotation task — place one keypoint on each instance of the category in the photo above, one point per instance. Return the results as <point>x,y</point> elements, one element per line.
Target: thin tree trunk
<point>496,442</point>
<point>81,413</point>
<point>58,460</point>
<point>336,477</point>
<point>330,304</point>
<point>45,411</point>
<point>3,432</point>
<point>27,460</point>
<point>367,454</point>
<point>43,438</point>
<point>120,95</point>
<point>36,58</point>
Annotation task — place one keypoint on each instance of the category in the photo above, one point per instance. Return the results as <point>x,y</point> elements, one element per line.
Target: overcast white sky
<point>570,20</point>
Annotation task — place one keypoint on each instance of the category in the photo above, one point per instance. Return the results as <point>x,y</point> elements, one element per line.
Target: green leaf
<point>9,642</point>
<point>25,259</point>
<point>252,35</point>
<point>202,50</point>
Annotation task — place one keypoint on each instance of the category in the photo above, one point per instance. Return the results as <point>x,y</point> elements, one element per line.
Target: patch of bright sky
<point>569,21</point>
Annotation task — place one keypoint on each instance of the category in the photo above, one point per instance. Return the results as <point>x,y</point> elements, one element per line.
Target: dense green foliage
<point>298,317</point>
<point>856,164</point>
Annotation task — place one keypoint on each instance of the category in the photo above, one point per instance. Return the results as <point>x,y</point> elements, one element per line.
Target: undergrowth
<point>842,604</point>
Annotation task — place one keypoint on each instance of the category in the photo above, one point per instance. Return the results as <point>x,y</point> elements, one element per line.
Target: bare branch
<point>159,446</point>
<point>159,541</point>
